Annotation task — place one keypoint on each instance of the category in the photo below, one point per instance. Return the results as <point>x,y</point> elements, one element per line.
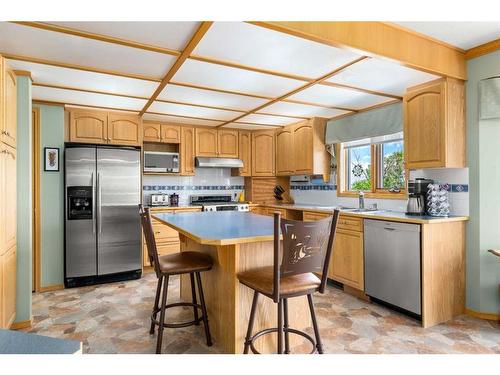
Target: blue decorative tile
<point>459,188</point>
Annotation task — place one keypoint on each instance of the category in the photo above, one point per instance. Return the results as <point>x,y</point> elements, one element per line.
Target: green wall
<point>483,143</point>
<point>52,197</point>
<point>24,201</point>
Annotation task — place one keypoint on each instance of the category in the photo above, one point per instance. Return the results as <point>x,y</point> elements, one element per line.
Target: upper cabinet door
<point>187,151</point>
<point>206,142</point>
<point>9,131</point>
<point>263,153</point>
<point>245,153</point>
<point>124,130</point>
<point>227,145</point>
<point>303,148</point>
<point>9,197</point>
<point>151,132</point>
<point>88,126</point>
<point>170,133</point>
<point>285,152</point>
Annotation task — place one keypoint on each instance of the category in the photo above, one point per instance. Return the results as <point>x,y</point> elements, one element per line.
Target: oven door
<point>167,162</point>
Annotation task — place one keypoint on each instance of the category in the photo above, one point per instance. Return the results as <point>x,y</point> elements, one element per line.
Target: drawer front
<point>350,223</point>
<point>313,216</point>
<point>270,211</point>
<point>164,232</point>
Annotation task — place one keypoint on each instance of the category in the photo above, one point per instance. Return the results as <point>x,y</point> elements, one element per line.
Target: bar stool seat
<point>262,280</point>
<point>184,262</point>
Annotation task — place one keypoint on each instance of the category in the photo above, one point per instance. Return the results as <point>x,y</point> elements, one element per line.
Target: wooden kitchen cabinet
<point>8,263</point>
<point>245,154</point>
<point>285,165</point>
<point>263,153</point>
<point>161,133</point>
<point>187,151</point>
<point>206,142</point>
<point>151,132</point>
<point>124,130</point>
<point>8,197</point>
<point>434,125</point>
<point>170,133</point>
<point>227,143</point>
<point>9,106</point>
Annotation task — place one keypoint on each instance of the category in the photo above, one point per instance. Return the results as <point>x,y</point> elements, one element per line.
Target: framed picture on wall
<point>51,159</point>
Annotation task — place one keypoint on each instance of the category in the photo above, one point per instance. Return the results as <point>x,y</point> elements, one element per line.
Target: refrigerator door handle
<point>93,202</point>
<point>99,201</point>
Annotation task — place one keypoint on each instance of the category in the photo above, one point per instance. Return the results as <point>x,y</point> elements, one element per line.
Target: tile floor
<point>114,318</point>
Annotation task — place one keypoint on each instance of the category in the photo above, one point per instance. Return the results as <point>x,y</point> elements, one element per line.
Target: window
<point>373,165</point>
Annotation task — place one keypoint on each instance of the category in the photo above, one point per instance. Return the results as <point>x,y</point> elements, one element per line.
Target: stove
<point>223,202</point>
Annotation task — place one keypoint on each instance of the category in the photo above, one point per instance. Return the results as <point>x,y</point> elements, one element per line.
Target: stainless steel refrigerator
<point>102,226</point>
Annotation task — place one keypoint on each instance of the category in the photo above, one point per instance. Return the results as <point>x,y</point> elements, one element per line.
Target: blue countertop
<point>15,342</point>
<point>220,228</point>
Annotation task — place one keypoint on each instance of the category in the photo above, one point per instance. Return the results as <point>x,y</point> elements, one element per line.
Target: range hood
<point>202,162</point>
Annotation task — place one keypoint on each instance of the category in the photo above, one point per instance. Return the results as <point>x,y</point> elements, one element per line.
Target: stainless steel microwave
<point>163,162</point>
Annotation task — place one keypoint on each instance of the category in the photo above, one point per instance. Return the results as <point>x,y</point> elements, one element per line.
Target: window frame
<point>376,163</point>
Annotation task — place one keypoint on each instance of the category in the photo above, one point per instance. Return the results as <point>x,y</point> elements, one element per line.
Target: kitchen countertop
<point>381,214</point>
<point>14,342</point>
<point>220,228</point>
<point>170,208</point>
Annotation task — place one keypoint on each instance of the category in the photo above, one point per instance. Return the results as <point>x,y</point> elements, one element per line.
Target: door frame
<point>36,239</point>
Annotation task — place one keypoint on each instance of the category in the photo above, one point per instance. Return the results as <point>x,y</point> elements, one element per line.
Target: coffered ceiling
<point>232,74</point>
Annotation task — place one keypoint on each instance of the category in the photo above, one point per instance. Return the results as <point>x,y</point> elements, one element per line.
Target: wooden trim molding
<point>193,42</point>
<point>23,73</point>
<point>22,324</point>
<point>49,102</point>
<point>483,315</point>
<point>483,49</point>
<point>51,288</point>
<point>380,39</point>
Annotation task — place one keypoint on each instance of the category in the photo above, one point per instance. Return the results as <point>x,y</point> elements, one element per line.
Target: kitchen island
<point>236,241</point>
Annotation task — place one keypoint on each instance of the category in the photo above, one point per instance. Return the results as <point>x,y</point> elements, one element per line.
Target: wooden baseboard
<point>51,288</point>
<point>356,293</point>
<point>22,324</point>
<point>483,315</point>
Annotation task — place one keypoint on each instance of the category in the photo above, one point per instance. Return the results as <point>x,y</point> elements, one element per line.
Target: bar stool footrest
<point>274,330</point>
<point>178,325</point>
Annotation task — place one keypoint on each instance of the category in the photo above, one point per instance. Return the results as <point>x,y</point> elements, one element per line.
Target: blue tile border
<point>191,187</point>
<point>324,187</point>
<point>459,188</point>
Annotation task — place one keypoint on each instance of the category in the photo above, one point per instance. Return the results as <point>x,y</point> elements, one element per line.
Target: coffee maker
<point>417,196</point>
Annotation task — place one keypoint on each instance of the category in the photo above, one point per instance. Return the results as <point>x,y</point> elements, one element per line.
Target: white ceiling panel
<point>53,75</point>
<point>380,75</point>
<point>208,97</point>
<point>171,35</point>
<point>464,35</point>
<point>85,98</point>
<point>268,119</point>
<point>180,120</point>
<point>235,125</point>
<point>232,79</point>
<point>263,48</point>
<point>187,110</point>
<point>49,45</point>
<point>334,96</point>
<point>294,109</point>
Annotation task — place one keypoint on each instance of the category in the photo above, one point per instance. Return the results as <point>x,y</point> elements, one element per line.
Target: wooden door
<point>151,132</point>
<point>206,142</point>
<point>9,133</point>
<point>303,148</point>
<point>263,153</point>
<point>124,130</point>
<point>245,153</point>
<point>88,126</point>
<point>187,151</point>
<point>9,197</point>
<point>347,265</point>
<point>424,126</point>
<point>285,152</point>
<point>9,272</point>
<point>170,133</point>
<point>227,143</point>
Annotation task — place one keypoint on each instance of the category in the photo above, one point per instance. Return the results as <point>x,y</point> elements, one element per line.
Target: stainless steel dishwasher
<point>392,263</point>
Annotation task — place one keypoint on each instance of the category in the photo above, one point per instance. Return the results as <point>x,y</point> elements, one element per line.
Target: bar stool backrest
<point>149,235</point>
<point>307,247</point>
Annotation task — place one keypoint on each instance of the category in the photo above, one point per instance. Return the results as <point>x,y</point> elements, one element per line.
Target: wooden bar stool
<point>175,264</point>
<point>307,248</point>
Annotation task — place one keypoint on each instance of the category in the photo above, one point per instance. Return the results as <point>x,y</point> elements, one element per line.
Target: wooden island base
<point>229,302</point>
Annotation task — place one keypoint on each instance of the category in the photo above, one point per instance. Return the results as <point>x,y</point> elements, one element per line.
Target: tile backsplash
<point>205,181</point>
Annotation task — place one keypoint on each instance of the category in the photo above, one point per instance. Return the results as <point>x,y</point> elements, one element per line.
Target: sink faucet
<point>361,198</point>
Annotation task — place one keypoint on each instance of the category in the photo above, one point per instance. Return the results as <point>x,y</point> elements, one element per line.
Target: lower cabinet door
<point>8,286</point>
<point>346,263</point>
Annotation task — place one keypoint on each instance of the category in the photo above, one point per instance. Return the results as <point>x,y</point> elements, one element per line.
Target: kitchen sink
<point>361,210</point>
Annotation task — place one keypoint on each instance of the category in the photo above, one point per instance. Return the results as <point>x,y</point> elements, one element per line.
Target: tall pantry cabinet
<point>8,222</point>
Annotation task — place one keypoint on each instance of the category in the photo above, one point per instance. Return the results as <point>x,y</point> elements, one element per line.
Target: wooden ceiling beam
<point>380,105</point>
<point>64,104</point>
<point>379,39</point>
<point>359,89</point>
<point>483,49</point>
<point>204,118</point>
<point>301,88</point>
<point>191,45</point>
